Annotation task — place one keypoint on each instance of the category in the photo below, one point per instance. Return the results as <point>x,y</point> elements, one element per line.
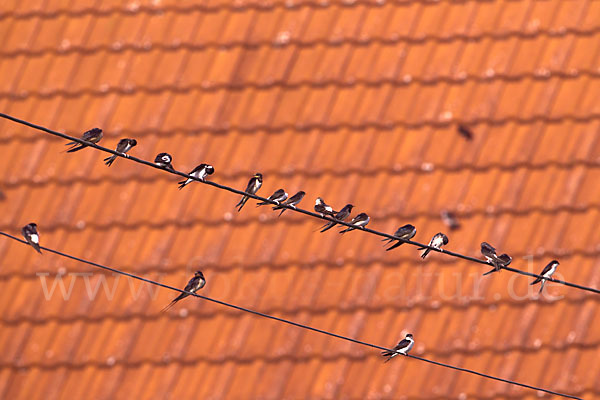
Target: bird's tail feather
<point>182,184</point>
<point>171,304</point>
<point>328,226</point>
<point>36,247</point>
<point>542,286</point>
<point>490,271</point>
<point>281,213</point>
<point>76,147</point>
<point>241,203</point>
<point>425,252</point>
<point>109,160</point>
<point>400,243</point>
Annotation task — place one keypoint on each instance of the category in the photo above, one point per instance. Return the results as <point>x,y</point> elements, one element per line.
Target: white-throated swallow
<point>164,160</point>
<point>123,147</point>
<point>465,131</point>
<point>278,196</point>
<point>322,208</point>
<point>32,236</point>
<point>450,219</point>
<point>253,185</point>
<point>342,215</point>
<point>547,273</point>
<point>196,283</point>
<point>438,240</point>
<point>360,221</point>
<point>200,172</point>
<point>403,347</point>
<point>292,202</point>
<point>501,261</point>
<point>93,136</point>
<point>404,233</point>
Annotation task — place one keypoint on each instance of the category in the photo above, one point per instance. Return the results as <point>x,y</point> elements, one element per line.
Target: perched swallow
<point>123,147</point>
<point>253,185</point>
<point>196,283</point>
<point>340,216</point>
<point>93,136</point>
<point>547,273</point>
<point>450,219</point>
<point>32,236</point>
<point>438,240</point>
<point>403,347</point>
<point>323,208</point>
<point>292,201</point>
<point>501,261</point>
<point>164,160</point>
<point>361,220</point>
<point>405,232</point>
<point>489,252</point>
<point>465,131</point>
<point>200,172</point>
<point>279,196</point>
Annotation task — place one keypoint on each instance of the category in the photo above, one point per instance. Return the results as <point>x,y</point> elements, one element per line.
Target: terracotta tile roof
<point>356,101</point>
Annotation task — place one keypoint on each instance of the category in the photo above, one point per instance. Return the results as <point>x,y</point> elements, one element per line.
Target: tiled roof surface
<point>355,101</point>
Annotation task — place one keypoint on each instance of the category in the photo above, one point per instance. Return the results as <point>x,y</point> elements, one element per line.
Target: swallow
<point>292,202</point>
<point>278,196</point>
<point>93,136</point>
<point>200,172</point>
<point>503,260</point>
<point>164,160</point>
<point>489,252</point>
<point>123,147</point>
<point>438,240</point>
<point>465,131</point>
<point>404,233</point>
<point>547,273</point>
<point>32,236</point>
<point>403,347</point>
<point>323,208</point>
<point>340,216</point>
<point>450,219</point>
<point>360,221</point>
<point>196,283</point>
<point>253,185</point>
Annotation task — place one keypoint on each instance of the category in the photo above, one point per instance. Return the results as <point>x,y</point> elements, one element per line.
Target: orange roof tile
<point>354,101</point>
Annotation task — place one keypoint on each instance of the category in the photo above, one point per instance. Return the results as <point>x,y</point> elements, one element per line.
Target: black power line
<point>299,210</point>
<point>285,321</point>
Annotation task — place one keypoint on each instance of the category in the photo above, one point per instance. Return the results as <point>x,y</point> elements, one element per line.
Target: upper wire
<point>295,209</point>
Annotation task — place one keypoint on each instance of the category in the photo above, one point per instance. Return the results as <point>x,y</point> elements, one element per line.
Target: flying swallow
<point>164,160</point>
<point>200,172</point>
<point>450,219</point>
<point>340,216</point>
<point>547,273</point>
<point>403,347</point>
<point>123,147</point>
<point>322,208</point>
<point>292,202</point>
<point>196,283</point>
<point>278,196</point>
<point>253,185</point>
<point>465,131</point>
<point>438,240</point>
<point>405,232</point>
<point>32,236</point>
<point>93,136</point>
<point>361,220</point>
